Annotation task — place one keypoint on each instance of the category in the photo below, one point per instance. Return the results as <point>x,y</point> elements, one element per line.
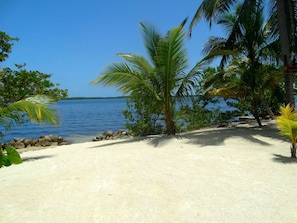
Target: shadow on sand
<point>212,136</point>
<point>33,158</point>
<point>284,159</point>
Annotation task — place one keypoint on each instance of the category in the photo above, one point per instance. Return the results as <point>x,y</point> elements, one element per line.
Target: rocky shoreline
<point>110,135</point>
<point>43,141</point>
<point>53,140</point>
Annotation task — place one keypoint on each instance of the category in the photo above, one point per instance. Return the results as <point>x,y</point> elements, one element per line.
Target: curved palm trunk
<point>268,109</point>
<point>285,47</point>
<point>256,114</point>
<point>293,150</point>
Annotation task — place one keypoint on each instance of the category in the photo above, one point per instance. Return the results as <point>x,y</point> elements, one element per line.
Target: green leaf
<point>13,155</point>
<point>6,161</point>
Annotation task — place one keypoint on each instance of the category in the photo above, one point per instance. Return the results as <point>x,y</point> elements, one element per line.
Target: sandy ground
<point>234,174</point>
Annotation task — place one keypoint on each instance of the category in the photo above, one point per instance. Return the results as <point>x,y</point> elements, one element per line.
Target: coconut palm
<point>287,124</point>
<point>286,14</point>
<point>253,45</point>
<point>161,78</point>
<point>254,39</point>
<point>240,81</point>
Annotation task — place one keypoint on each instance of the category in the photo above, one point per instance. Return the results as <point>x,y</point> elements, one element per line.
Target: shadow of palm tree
<point>210,137</point>
<point>284,159</point>
<point>33,158</point>
<point>214,137</point>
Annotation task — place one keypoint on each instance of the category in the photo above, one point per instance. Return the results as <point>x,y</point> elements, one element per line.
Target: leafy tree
<point>161,79</point>
<point>285,20</point>
<point>23,94</point>
<point>18,84</point>
<point>5,45</point>
<point>204,110</point>
<point>143,115</point>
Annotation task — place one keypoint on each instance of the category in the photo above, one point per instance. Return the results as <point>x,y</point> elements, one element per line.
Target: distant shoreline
<point>83,98</point>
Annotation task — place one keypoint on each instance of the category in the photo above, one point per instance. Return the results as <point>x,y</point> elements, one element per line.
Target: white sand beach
<point>233,174</point>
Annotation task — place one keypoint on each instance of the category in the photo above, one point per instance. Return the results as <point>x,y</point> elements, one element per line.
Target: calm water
<point>80,120</point>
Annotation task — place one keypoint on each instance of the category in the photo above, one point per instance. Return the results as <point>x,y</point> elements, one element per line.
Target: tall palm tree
<point>254,37</point>
<point>240,81</point>
<point>162,77</point>
<point>253,44</point>
<point>287,21</point>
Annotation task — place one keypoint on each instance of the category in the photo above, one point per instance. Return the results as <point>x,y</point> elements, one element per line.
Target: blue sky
<point>75,40</point>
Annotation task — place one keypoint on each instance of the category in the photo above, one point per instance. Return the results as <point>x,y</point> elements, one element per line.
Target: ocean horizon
<point>80,120</point>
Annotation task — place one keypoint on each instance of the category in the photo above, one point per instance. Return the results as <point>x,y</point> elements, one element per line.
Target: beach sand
<point>233,174</point>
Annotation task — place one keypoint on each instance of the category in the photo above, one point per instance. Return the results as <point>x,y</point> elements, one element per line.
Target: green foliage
<point>158,80</point>
<point>36,108</point>
<point>24,95</point>
<point>287,124</point>
<point>199,116</point>
<point>11,156</point>
<point>18,84</point>
<point>5,45</point>
<point>143,116</point>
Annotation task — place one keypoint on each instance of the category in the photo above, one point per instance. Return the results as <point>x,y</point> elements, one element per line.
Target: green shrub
<point>11,156</point>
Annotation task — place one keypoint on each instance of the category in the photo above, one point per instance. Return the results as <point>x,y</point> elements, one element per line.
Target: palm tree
<point>240,81</point>
<point>287,124</point>
<point>161,78</point>
<point>254,38</point>
<point>286,20</point>
<point>285,14</point>
<point>253,45</point>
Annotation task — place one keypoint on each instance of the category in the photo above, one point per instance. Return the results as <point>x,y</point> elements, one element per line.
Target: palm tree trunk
<point>267,108</point>
<point>170,124</point>
<point>293,150</point>
<point>285,47</point>
<point>256,114</point>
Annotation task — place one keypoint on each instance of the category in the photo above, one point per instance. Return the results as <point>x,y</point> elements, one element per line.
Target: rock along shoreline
<point>54,140</point>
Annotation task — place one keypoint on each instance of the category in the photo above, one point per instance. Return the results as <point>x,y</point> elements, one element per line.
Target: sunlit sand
<point>233,174</point>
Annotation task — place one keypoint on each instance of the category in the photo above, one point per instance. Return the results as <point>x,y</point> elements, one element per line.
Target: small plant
<point>11,156</point>
<point>287,124</point>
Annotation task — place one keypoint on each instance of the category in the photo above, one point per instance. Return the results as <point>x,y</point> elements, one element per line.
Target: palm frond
<point>288,112</point>
<point>36,108</point>
<point>171,58</point>
<point>287,127</point>
<point>189,82</point>
<point>210,10</point>
<point>123,77</point>
<point>151,39</point>
<point>139,63</point>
